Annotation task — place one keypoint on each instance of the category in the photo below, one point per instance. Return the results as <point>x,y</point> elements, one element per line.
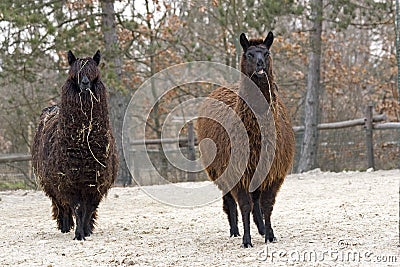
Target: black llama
<point>74,153</point>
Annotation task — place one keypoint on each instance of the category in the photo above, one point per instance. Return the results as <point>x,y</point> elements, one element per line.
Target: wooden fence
<point>369,122</point>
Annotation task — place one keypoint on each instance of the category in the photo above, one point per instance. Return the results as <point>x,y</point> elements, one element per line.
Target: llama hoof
<point>270,237</point>
<point>64,230</point>
<point>234,233</point>
<point>270,240</point>
<point>66,227</point>
<point>79,238</point>
<point>247,245</point>
<point>246,242</point>
<point>261,231</point>
<point>87,232</point>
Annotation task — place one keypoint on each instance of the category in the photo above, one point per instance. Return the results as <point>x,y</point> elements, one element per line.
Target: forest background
<point>357,53</point>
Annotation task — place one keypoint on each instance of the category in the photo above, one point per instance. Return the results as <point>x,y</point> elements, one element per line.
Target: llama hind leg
<point>67,221</point>
<point>267,204</point>
<point>63,215</point>
<point>230,208</point>
<point>257,215</point>
<point>245,209</point>
<point>90,219</point>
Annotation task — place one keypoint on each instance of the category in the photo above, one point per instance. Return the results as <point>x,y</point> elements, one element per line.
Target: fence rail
<point>7,158</point>
<point>387,126</point>
<point>344,124</point>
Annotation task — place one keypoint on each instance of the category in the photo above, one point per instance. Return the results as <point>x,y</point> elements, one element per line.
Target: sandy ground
<point>320,219</point>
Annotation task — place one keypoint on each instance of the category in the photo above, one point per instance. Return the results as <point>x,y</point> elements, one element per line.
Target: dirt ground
<point>320,219</point>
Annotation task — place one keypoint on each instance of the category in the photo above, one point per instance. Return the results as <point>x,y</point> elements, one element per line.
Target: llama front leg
<point>257,216</point>
<point>245,209</point>
<point>230,208</point>
<point>80,215</point>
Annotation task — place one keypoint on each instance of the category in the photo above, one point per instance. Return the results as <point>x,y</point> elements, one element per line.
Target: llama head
<point>84,72</point>
<point>256,60</point>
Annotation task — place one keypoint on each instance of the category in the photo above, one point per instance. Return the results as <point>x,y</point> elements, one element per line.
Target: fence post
<point>369,136</point>
<point>191,149</point>
<point>132,162</point>
<point>30,140</point>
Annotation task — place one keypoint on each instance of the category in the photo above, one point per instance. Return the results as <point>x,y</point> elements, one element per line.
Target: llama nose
<point>85,84</point>
<point>85,80</point>
<point>260,63</point>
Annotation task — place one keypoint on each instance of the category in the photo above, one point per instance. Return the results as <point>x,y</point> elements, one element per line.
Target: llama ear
<point>269,40</point>
<point>97,57</point>
<point>244,42</point>
<point>71,58</point>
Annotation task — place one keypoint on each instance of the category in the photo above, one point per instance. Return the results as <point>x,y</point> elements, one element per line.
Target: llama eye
<point>250,56</point>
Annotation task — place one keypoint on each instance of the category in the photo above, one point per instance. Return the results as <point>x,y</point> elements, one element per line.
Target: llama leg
<point>257,216</point>
<point>245,209</point>
<point>267,204</point>
<point>67,220</point>
<point>57,213</point>
<point>63,216</point>
<point>91,223</point>
<point>230,208</point>
<point>90,219</point>
<point>80,214</point>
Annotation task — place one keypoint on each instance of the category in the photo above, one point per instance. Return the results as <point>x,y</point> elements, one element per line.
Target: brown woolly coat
<point>284,144</point>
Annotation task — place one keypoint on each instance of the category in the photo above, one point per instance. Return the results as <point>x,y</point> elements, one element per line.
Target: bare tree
<point>398,48</point>
<point>118,100</point>
<point>310,140</point>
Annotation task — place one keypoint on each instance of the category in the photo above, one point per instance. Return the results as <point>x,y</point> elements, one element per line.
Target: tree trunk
<point>309,146</point>
<point>397,29</point>
<point>161,161</point>
<point>117,99</point>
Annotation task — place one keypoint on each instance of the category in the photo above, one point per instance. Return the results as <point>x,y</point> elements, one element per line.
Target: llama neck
<point>265,85</point>
<point>256,116</point>
<point>258,93</point>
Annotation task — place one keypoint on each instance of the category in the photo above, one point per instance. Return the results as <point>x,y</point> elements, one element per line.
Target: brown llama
<point>256,64</point>
<point>74,153</point>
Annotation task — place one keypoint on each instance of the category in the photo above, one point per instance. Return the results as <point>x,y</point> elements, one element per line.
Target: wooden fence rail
<point>387,126</point>
<point>342,124</point>
<point>7,158</point>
